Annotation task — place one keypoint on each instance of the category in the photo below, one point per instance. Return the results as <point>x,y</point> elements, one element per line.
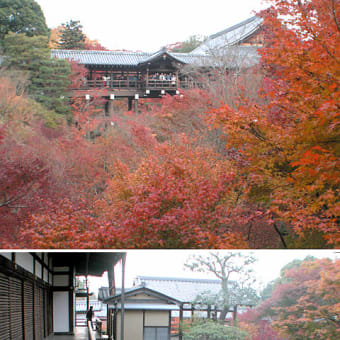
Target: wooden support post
<point>136,102</point>
<point>109,108</point>
<point>130,103</point>
<point>122,299</point>
<point>235,314</point>
<point>112,284</point>
<point>147,78</point>
<point>180,333</point>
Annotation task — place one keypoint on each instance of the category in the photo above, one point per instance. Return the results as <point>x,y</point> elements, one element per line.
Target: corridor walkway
<point>80,333</point>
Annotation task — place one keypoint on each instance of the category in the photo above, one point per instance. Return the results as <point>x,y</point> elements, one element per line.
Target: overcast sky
<point>147,25</point>
<point>170,263</point>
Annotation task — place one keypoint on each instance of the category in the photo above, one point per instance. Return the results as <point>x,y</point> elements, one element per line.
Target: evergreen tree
<point>72,37</point>
<point>48,77</point>
<point>189,45</point>
<point>22,16</point>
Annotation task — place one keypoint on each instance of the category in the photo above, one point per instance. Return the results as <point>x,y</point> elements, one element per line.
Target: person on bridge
<point>89,316</point>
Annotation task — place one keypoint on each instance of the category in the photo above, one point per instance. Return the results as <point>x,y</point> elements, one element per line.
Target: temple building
<point>134,75</point>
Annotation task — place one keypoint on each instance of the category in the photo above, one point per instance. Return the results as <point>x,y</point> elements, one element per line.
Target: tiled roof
<point>230,36</point>
<point>89,57</point>
<point>207,54</point>
<point>185,290</point>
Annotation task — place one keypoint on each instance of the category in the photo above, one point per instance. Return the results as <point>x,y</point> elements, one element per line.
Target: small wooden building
<point>155,307</point>
<point>146,314</point>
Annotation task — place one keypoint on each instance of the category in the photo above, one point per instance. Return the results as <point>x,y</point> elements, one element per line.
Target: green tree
<point>233,292</point>
<point>22,16</point>
<point>48,78</point>
<point>71,36</point>
<point>209,330</point>
<point>189,45</point>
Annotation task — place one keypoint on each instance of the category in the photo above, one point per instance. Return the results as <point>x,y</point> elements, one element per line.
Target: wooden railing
<point>92,333</point>
<point>95,333</point>
<point>152,84</point>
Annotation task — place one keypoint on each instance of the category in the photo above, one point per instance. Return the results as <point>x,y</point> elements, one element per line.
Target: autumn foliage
<point>187,171</point>
<point>289,141</point>
<point>305,305</point>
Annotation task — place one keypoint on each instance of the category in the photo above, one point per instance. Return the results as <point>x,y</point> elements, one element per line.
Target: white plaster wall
<point>38,269</point>
<point>45,275</point>
<point>61,312</point>
<point>7,255</point>
<point>25,260</point>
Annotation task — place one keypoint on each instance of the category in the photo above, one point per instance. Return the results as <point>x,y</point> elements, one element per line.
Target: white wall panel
<point>7,255</point>
<point>38,269</point>
<point>45,275</point>
<point>61,312</point>
<point>24,260</point>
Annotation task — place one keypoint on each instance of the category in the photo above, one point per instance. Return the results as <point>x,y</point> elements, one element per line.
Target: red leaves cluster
<point>306,304</point>
<point>177,198</point>
<point>290,139</point>
<point>135,181</point>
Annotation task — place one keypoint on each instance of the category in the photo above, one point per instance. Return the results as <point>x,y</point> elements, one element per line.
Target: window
<point>156,333</point>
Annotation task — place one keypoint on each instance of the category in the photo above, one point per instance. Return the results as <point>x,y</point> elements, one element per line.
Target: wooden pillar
<point>147,78</point>
<point>111,277</point>
<point>180,333</point>
<point>130,103</point>
<point>109,108</point>
<point>209,312</point>
<point>122,299</point>
<point>235,313</point>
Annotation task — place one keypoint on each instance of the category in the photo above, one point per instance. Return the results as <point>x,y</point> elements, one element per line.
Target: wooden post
<point>180,333</point>
<point>130,103</point>
<point>111,277</point>
<point>235,314</point>
<point>147,78</point>
<point>122,300</point>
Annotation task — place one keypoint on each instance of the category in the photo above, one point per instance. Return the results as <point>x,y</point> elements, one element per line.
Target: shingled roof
<point>207,54</point>
<point>230,36</point>
<point>121,58</point>
<point>182,289</point>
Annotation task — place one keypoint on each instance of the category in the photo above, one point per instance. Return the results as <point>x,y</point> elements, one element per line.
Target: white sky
<point>170,263</point>
<point>147,25</point>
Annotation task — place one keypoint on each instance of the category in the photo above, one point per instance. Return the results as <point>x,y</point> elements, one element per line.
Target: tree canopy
<point>238,291</point>
<point>22,16</point>
<point>71,36</point>
<point>48,78</point>
<point>305,305</point>
<point>209,330</point>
